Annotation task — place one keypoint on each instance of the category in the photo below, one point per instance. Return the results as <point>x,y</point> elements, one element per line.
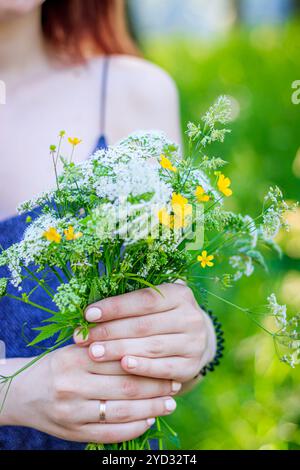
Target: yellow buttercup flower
<point>200,195</point>
<point>179,221</point>
<point>182,210</point>
<point>52,235</point>
<point>224,185</point>
<point>179,200</point>
<point>205,259</point>
<point>71,235</point>
<point>167,164</point>
<point>165,218</point>
<point>74,141</point>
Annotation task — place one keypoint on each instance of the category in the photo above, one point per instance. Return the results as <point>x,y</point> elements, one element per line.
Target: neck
<point>22,47</point>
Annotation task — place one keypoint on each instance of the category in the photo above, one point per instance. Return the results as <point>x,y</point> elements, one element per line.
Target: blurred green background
<point>252,401</point>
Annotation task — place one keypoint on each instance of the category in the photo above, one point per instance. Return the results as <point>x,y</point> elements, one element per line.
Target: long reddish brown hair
<point>78,29</point>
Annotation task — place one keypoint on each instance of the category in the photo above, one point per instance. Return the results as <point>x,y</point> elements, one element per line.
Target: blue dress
<point>17,320</point>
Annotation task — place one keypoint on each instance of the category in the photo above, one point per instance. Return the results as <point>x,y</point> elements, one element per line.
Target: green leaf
<point>46,332</point>
<point>258,258</point>
<point>143,282</point>
<point>273,246</point>
<point>3,286</point>
<point>95,293</point>
<point>64,335</point>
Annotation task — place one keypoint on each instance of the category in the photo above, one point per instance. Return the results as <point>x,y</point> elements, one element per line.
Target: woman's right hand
<point>60,395</point>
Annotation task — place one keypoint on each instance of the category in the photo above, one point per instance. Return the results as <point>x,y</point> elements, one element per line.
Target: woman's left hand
<point>160,335</point>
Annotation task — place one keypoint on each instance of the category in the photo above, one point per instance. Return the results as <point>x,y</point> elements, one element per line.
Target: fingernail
<point>131,363</point>
<point>150,421</point>
<point>79,338</point>
<point>176,386</point>
<point>170,404</point>
<point>98,350</point>
<point>93,314</point>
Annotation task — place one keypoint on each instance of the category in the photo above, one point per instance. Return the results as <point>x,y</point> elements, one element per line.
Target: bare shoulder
<point>146,93</point>
<point>140,72</point>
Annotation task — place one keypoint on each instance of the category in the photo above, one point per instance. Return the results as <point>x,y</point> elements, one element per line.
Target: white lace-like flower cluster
<point>279,312</point>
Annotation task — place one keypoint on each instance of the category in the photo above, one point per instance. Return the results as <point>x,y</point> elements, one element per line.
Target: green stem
<point>58,276</point>
<point>244,310</point>
<point>43,285</point>
<point>160,441</point>
<point>33,304</point>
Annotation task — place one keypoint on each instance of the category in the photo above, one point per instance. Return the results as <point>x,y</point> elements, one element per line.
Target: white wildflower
<point>278,311</point>
<point>243,266</point>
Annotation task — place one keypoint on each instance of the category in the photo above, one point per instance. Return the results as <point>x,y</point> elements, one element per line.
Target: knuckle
<point>101,333</point>
<point>171,369</point>
<point>122,413</point>
<point>59,388</point>
<point>186,293</point>
<point>148,299</point>
<point>198,345</point>
<point>195,321</point>
<point>143,326</point>
<point>130,388</point>
<point>63,413</point>
<point>115,306</point>
<point>155,347</point>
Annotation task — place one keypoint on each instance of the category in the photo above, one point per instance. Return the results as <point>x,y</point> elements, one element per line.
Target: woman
<point>73,65</point>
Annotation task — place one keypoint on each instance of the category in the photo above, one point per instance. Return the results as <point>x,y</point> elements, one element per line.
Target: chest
<point>30,121</point>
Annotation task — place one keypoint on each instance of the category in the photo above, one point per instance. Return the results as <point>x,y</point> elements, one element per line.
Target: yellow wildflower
<point>179,221</point>
<point>71,235</point>
<point>224,185</point>
<point>167,164</point>
<point>165,218</point>
<point>74,141</point>
<point>179,200</point>
<point>181,209</point>
<point>52,235</point>
<point>200,195</point>
<point>205,259</point>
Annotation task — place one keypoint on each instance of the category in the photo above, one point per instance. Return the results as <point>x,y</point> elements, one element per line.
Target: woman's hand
<point>61,394</point>
<point>165,336</point>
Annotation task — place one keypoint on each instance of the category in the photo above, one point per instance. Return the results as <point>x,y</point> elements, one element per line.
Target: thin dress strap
<point>102,142</point>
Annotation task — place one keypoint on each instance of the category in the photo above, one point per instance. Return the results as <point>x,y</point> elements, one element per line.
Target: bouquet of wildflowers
<point>140,214</point>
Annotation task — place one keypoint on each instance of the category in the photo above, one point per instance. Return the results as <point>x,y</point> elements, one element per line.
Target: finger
<point>128,387</point>
<point>126,411</point>
<point>140,302</point>
<point>106,368</point>
<point>79,358</point>
<point>172,368</point>
<point>174,321</point>
<point>113,433</point>
<point>152,346</point>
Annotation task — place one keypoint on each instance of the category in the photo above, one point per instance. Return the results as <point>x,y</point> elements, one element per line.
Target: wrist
<point>211,348</point>
<point>11,393</point>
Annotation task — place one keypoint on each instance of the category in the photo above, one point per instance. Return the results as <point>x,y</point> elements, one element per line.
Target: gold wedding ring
<point>102,411</point>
